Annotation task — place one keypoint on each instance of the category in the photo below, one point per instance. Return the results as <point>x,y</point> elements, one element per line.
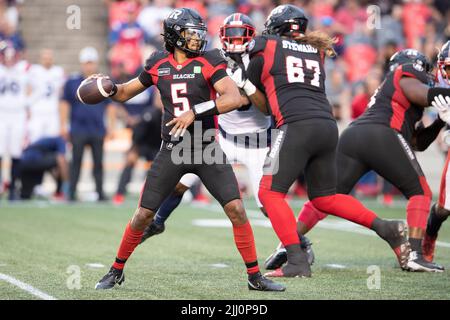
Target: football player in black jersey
<point>286,78</point>
<point>236,34</point>
<point>440,211</point>
<point>383,140</point>
<point>188,78</point>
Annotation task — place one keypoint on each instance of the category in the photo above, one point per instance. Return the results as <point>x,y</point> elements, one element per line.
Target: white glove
<point>242,83</point>
<point>446,137</point>
<point>443,107</point>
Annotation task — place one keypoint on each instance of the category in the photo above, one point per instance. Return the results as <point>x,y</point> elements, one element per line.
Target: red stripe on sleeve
<point>269,82</point>
<point>399,102</point>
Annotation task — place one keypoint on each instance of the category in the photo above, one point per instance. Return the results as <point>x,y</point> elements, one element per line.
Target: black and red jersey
<point>292,76</point>
<point>390,107</point>
<point>184,85</point>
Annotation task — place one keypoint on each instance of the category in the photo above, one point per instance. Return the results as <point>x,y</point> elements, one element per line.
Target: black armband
<point>114,90</point>
<point>424,136</point>
<point>434,92</point>
<point>204,109</point>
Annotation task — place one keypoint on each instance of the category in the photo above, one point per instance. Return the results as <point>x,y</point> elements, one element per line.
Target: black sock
<point>435,221</point>
<point>416,245</point>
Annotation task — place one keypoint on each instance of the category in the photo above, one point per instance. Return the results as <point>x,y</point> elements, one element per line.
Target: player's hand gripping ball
<point>95,89</point>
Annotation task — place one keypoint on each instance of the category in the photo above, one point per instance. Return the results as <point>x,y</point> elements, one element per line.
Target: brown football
<point>94,90</point>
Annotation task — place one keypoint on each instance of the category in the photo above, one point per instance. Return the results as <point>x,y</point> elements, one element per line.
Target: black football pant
<point>308,147</point>
<point>377,147</point>
<point>165,173</point>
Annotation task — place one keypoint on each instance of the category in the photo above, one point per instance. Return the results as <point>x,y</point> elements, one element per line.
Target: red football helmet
<point>236,33</point>
<point>444,62</point>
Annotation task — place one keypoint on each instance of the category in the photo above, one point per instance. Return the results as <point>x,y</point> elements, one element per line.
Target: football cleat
<point>152,230</point>
<point>113,277</point>
<point>290,271</point>
<point>428,246</point>
<point>118,199</point>
<point>260,283</point>
<point>276,259</point>
<point>395,234</point>
<point>306,245</point>
<point>416,263</point>
<point>297,266</point>
<point>279,256</point>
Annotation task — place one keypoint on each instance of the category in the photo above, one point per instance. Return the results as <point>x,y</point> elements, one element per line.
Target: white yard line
<point>26,287</point>
<point>330,224</point>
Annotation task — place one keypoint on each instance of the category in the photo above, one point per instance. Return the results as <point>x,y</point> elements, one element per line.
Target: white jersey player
<point>440,210</point>
<point>245,132</point>
<point>14,89</point>
<point>47,82</point>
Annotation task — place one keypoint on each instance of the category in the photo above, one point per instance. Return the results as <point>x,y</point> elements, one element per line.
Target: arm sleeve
<point>423,137</point>
<point>145,78</point>
<point>254,71</point>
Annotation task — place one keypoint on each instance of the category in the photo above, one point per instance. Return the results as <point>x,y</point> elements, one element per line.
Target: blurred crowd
<point>367,33</point>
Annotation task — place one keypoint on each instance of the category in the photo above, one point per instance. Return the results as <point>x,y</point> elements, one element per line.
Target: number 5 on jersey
<point>177,89</point>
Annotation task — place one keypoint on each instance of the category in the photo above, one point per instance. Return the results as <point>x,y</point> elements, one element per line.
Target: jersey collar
<point>179,66</point>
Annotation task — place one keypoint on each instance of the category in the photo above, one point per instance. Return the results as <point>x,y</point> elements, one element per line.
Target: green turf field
<point>42,245</point>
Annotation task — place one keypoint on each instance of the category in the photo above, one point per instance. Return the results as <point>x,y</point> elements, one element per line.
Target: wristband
<point>114,90</point>
<point>204,109</point>
<point>249,88</point>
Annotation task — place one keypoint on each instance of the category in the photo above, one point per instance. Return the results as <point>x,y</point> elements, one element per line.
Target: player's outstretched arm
<point>424,136</point>
<point>121,92</point>
<point>126,91</point>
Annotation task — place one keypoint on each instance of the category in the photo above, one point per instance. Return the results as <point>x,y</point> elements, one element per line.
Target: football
<point>94,90</point>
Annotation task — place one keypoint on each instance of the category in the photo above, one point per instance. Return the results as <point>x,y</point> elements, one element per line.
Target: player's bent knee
<point>263,195</point>
<point>442,211</point>
<point>142,217</point>
<point>180,189</point>
<point>324,203</point>
<point>236,212</point>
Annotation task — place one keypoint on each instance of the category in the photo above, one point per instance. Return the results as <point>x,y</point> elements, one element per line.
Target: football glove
<point>241,81</point>
<point>443,107</point>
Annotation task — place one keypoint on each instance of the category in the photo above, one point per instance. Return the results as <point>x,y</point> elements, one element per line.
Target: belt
<point>254,140</point>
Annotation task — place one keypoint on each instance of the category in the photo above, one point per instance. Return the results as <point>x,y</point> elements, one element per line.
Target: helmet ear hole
<point>286,20</point>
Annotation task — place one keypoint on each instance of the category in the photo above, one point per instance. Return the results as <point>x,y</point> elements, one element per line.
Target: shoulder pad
<point>257,45</point>
<point>416,71</point>
<point>154,58</point>
<point>215,57</point>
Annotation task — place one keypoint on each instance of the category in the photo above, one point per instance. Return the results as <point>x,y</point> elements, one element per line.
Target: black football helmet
<point>286,20</point>
<point>410,56</point>
<point>182,26</point>
<point>444,62</point>
<point>236,33</point>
